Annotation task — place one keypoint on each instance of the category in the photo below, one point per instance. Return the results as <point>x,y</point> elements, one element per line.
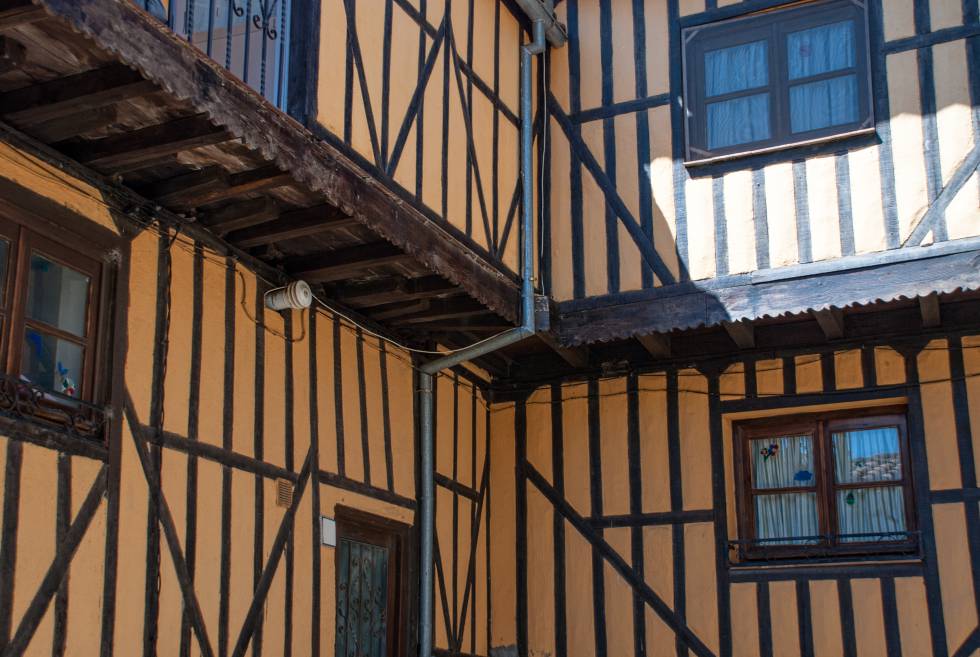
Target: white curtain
<point>728,70</point>
<point>869,455</point>
<point>784,462</point>
<point>830,101</point>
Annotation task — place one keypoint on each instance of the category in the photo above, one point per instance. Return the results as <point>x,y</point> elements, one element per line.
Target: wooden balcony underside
<point>106,86</point>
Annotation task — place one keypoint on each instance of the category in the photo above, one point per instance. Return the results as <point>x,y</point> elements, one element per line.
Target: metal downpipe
<point>526,329</point>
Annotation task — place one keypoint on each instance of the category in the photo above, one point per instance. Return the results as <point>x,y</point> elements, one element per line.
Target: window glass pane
<point>737,68</point>
<point>738,121</point>
<point>823,104</point>
<point>784,462</point>
<point>791,516</point>
<point>877,511</point>
<point>4,257</point>
<point>820,50</point>
<point>57,295</point>
<point>867,455</point>
<point>51,362</point>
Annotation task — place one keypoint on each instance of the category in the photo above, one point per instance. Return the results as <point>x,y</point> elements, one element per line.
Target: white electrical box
<point>328,531</point>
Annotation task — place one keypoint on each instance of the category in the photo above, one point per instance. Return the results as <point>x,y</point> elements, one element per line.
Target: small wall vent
<point>284,493</point>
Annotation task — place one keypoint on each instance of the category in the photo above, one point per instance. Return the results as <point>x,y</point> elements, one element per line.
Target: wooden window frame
<point>398,537</point>
<point>81,246</point>
<point>820,427</point>
<point>772,26</point>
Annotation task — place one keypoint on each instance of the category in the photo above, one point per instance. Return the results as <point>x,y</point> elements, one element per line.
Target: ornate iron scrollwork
<point>25,400</point>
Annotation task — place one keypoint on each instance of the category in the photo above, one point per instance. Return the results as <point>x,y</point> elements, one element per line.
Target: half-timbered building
<point>490,328</point>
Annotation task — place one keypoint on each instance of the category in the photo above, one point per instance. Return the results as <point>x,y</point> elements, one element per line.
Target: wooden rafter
<point>344,263</point>
<point>73,95</point>
<point>290,225</point>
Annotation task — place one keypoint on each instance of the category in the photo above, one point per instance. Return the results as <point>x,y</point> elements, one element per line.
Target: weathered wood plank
<point>73,94</point>
<point>344,263</point>
<point>14,13</point>
<point>831,321</point>
<point>391,290</point>
<point>240,215</point>
<point>656,344</point>
<point>290,225</point>
<point>929,309</point>
<point>128,149</point>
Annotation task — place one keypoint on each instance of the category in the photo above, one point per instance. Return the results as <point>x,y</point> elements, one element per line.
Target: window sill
<point>904,565</point>
<point>783,153</point>
<point>905,554</point>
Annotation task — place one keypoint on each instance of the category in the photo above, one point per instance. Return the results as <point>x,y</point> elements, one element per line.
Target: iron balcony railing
<point>249,37</point>
<point>20,399</point>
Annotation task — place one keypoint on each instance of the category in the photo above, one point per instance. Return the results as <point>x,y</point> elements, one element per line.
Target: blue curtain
<point>738,121</point>
<point>736,69</point>
<point>866,456</point>
<point>820,50</point>
<point>828,102</point>
<point>823,104</point>
<point>784,462</point>
<point>744,119</point>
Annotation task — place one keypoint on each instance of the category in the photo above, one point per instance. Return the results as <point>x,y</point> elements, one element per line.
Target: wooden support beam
<point>131,149</point>
<point>929,309</point>
<point>170,192</point>
<point>577,357</point>
<point>73,125</point>
<point>440,309</point>
<point>293,224</point>
<point>741,333</point>
<point>73,94</point>
<point>14,13</point>
<point>656,344</point>
<point>240,215</point>
<point>239,184</point>
<point>391,290</point>
<point>12,54</point>
<point>347,262</point>
<point>393,310</point>
<point>831,322</point>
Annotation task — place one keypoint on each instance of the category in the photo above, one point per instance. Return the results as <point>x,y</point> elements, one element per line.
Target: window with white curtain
<point>824,484</point>
<point>776,78</point>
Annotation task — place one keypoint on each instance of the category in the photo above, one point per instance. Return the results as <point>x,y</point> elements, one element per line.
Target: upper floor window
<point>824,484</point>
<point>778,78</point>
<point>49,298</point>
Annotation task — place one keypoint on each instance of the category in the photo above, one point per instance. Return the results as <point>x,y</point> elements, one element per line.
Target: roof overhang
<point>100,33</point>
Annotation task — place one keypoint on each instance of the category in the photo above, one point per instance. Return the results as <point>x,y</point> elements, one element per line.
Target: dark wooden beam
<point>741,333</point>
<point>240,215</point>
<point>293,224</point>
<point>171,191</point>
<point>656,344</point>
<point>439,309</point>
<point>14,13</point>
<point>831,321</point>
<point>73,94</point>
<point>394,289</point>
<point>577,357</point>
<point>393,310</point>
<point>73,125</point>
<point>254,181</point>
<point>929,309</point>
<point>12,54</point>
<point>347,262</point>
<point>130,149</point>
